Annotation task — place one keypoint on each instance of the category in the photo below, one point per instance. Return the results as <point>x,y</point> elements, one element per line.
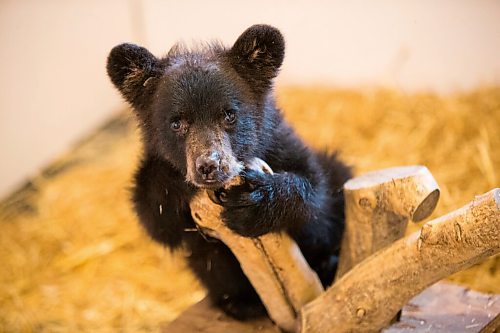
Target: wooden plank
<point>441,308</point>
<point>446,307</point>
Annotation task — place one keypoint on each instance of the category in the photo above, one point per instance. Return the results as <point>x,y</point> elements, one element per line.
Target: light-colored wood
<point>367,297</point>
<point>273,262</point>
<point>379,205</point>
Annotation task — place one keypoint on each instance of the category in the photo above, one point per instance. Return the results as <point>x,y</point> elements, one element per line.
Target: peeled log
<point>367,297</point>
<point>273,262</point>
<point>378,206</point>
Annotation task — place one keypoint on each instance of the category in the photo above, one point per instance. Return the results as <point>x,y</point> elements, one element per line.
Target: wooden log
<point>273,262</point>
<point>379,205</point>
<point>369,295</point>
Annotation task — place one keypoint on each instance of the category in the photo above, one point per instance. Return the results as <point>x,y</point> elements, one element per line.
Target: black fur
<point>193,105</point>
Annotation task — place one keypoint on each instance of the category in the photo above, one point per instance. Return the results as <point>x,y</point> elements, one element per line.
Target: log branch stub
<point>273,262</point>
<point>381,284</point>
<point>379,205</point>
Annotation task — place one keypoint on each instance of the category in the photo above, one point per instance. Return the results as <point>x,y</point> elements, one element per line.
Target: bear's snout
<point>213,169</point>
<point>210,158</point>
<point>208,166</point>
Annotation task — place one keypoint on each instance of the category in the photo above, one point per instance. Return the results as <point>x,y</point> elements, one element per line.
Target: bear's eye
<point>176,125</point>
<point>229,116</point>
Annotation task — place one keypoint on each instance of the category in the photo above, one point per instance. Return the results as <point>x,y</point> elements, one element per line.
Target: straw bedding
<point>73,258</point>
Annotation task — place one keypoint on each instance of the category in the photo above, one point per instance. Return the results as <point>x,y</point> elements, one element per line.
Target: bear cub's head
<point>207,110</point>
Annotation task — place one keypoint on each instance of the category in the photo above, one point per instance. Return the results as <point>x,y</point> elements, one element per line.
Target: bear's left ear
<point>257,55</point>
<point>133,70</point>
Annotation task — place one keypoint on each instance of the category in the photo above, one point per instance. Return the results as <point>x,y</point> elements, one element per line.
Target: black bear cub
<point>203,114</point>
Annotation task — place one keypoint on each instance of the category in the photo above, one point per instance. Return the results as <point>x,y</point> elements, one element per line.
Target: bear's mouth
<point>210,184</point>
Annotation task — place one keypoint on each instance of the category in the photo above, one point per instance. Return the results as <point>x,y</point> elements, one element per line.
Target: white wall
<point>53,86</point>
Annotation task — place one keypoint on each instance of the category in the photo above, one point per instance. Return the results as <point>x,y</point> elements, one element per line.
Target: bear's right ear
<point>133,70</point>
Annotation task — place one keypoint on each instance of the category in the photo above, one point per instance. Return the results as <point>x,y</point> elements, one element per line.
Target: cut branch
<point>273,262</point>
<point>379,205</point>
<point>369,295</point>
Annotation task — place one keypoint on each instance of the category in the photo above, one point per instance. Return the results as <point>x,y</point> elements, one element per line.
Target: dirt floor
<point>73,258</point>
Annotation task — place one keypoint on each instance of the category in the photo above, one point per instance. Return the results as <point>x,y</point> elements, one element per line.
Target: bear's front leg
<point>268,203</point>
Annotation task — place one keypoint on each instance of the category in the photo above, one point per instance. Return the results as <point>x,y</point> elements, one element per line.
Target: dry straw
<point>72,257</point>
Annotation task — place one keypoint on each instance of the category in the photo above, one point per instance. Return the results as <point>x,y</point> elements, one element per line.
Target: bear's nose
<point>207,165</point>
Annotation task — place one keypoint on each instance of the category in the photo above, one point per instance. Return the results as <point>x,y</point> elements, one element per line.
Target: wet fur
<point>303,197</point>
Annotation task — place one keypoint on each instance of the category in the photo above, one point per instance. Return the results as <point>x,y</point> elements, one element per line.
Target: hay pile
<point>74,259</point>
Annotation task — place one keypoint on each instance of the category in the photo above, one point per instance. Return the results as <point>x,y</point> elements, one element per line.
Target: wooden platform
<point>441,308</point>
